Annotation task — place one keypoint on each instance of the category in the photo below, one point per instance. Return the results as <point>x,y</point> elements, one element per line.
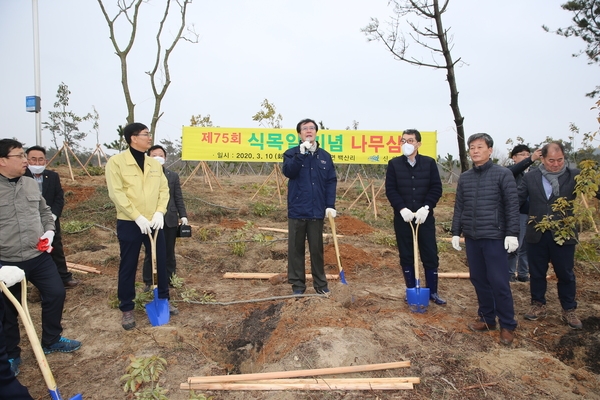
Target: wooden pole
<point>350,187</point>
<point>192,174</point>
<point>374,200</point>
<point>299,386</point>
<point>264,275</point>
<point>278,230</point>
<point>298,373</point>
<point>77,159</point>
<point>263,184</point>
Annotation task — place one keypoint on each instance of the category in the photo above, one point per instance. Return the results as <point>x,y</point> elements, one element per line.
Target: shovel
<point>417,297</point>
<point>337,250</point>
<point>23,311</point>
<point>157,309</point>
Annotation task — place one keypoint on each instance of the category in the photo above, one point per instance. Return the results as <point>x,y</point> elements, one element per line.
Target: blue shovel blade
<point>158,310</point>
<point>343,277</point>
<point>417,299</point>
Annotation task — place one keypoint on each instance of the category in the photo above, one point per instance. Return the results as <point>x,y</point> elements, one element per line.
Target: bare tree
<point>433,37</point>
<point>160,77</point>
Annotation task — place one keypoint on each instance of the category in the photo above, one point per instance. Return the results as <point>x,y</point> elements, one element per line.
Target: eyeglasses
<point>410,141</point>
<point>308,128</point>
<point>20,155</point>
<point>36,159</point>
<point>144,134</point>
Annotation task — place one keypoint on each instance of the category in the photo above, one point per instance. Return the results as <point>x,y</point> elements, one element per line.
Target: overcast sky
<point>310,59</point>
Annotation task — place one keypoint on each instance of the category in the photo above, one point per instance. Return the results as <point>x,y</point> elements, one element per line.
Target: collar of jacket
<point>483,167</point>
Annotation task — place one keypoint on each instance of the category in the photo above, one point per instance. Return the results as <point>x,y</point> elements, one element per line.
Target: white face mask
<point>159,159</point>
<point>36,169</point>
<point>407,149</point>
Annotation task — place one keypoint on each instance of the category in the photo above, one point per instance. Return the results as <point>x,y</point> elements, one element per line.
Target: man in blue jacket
<point>486,212</point>
<point>311,198</point>
<point>413,187</point>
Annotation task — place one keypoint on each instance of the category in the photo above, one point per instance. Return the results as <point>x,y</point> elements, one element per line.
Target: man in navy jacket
<point>413,187</point>
<point>311,198</point>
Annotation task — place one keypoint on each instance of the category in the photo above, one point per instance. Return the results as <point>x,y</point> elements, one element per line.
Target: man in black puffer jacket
<point>413,187</point>
<point>486,212</point>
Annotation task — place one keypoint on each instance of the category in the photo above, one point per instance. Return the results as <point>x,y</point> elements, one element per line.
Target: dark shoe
<point>324,291</point>
<point>512,278</point>
<point>437,299</point>
<point>481,326</point>
<point>63,345</point>
<point>172,309</point>
<point>523,278</point>
<point>71,284</point>
<point>298,291</point>
<point>128,321</point>
<point>14,365</point>
<point>537,310</point>
<point>570,318</point>
<point>146,288</point>
<point>506,336</point>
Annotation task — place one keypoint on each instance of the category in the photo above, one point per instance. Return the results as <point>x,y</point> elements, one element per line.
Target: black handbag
<point>184,231</point>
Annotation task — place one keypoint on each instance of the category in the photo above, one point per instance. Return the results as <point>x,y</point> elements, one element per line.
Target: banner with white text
<point>268,145</point>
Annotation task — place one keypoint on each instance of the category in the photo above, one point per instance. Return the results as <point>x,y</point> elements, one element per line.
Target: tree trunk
<point>458,118</point>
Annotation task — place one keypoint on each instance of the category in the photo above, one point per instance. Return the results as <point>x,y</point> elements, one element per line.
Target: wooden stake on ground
<point>276,386</point>
<point>285,231</point>
<point>298,373</point>
<point>264,275</point>
<point>84,268</point>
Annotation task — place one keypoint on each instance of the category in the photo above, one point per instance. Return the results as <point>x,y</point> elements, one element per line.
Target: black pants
<point>58,255</point>
<point>170,239</point>
<point>563,261</point>
<point>10,388</point>
<point>41,272</point>
<point>428,251</point>
<point>300,230</point>
<point>130,242</point>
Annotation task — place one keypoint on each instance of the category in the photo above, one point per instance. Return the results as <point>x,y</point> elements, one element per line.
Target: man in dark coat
<point>543,186</point>
<point>486,212</point>
<point>413,187</point>
<point>52,191</point>
<point>311,198</point>
<point>175,211</point>
<point>517,261</point>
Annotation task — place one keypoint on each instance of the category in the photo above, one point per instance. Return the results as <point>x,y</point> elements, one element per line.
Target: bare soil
<point>548,360</point>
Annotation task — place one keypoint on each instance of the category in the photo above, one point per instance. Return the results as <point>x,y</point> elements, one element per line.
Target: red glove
<point>44,246</point>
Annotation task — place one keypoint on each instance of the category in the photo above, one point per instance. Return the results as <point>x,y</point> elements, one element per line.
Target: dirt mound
<point>347,225</point>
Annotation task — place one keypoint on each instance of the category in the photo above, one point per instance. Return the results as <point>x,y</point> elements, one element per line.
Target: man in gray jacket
<point>26,234</point>
<point>486,212</point>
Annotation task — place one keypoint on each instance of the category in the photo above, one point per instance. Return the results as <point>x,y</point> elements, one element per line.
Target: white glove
<point>421,215</point>
<point>144,225</point>
<point>455,243</point>
<point>184,221</point>
<point>407,215</point>
<point>305,146</point>
<point>11,275</point>
<point>157,220</point>
<point>330,211</point>
<point>54,217</point>
<point>511,243</point>
<point>50,236</point>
